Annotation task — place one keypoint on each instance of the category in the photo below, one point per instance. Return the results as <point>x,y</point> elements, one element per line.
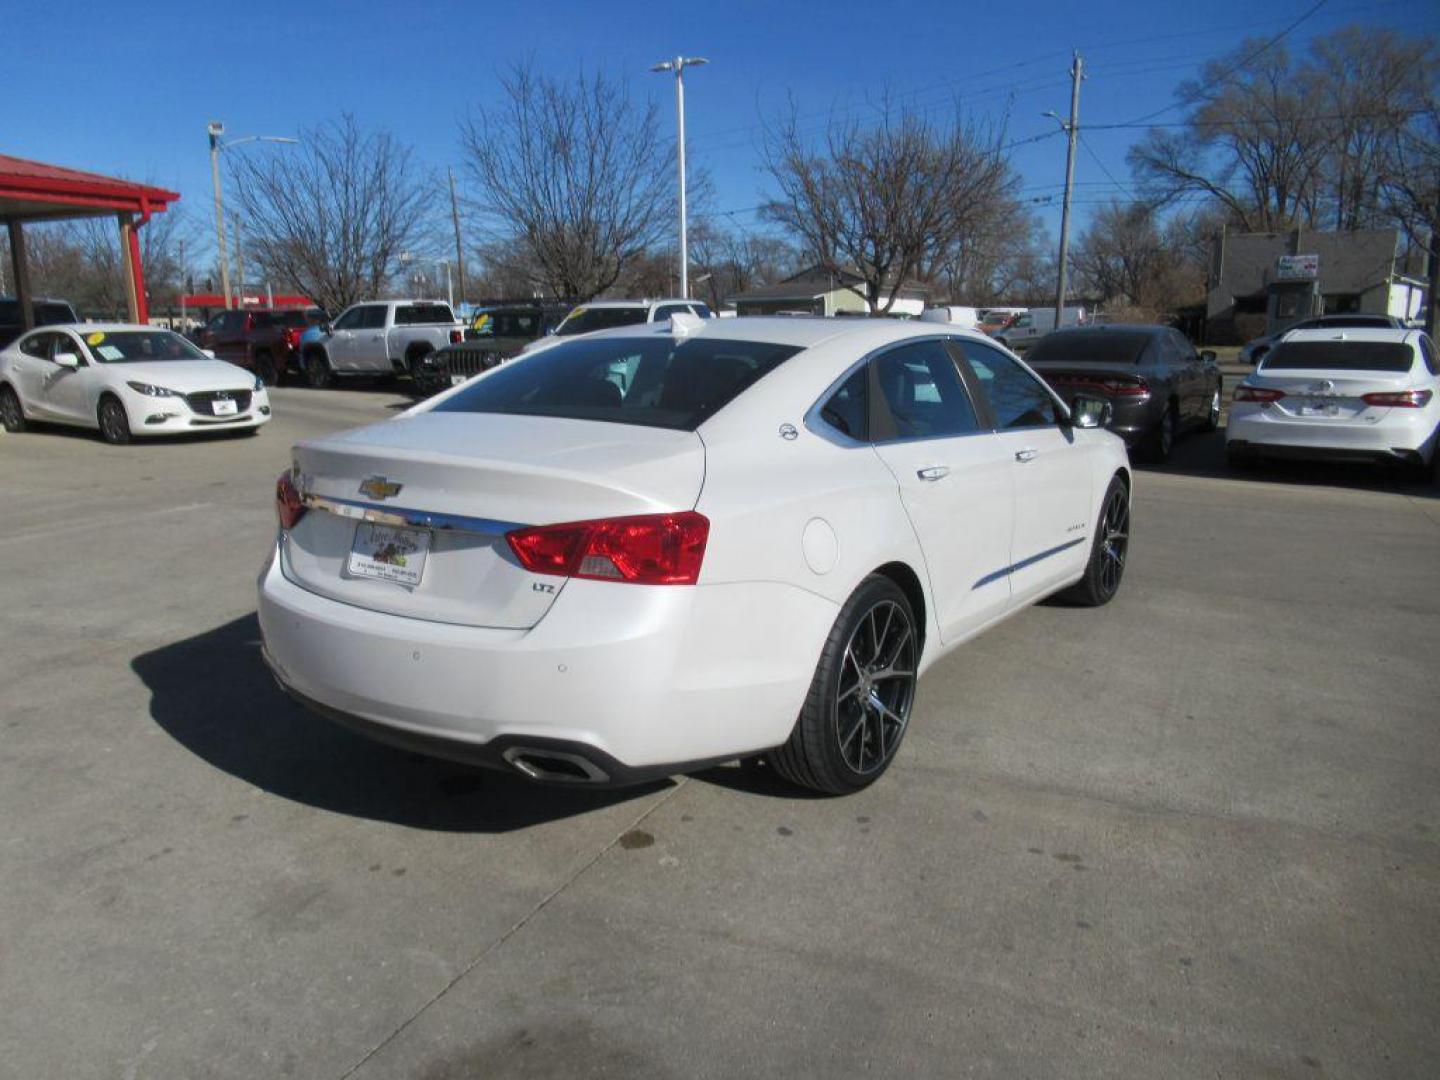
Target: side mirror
<point>1208,356</point>
<point>326,329</point>
<point>209,352</point>
<point>1090,412</point>
<point>66,360</point>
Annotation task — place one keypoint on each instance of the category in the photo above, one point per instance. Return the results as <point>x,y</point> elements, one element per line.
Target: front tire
<point>860,699</point>
<point>317,371</point>
<point>114,422</point>
<point>12,413</point>
<point>1109,550</point>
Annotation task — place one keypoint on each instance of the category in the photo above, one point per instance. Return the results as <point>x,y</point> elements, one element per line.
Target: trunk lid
<point>456,483</point>
<point>1318,394</point>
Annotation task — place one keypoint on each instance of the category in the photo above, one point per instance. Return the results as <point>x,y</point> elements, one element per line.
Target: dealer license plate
<point>388,553</point>
<point>224,407</point>
<point>456,380</point>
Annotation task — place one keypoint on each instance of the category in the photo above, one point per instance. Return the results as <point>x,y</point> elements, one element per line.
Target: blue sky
<point>126,89</point>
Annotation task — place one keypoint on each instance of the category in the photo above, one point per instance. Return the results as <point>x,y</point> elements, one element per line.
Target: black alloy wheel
<point>861,697</point>
<point>114,424</point>
<point>1109,549</point>
<point>12,415</point>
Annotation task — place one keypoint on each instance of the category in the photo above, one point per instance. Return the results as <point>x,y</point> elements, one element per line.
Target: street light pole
<point>215,129</point>
<point>678,65</point>
<point>1072,131</point>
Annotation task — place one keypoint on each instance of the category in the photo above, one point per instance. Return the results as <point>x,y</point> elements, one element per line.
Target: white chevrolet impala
<point>636,552</point>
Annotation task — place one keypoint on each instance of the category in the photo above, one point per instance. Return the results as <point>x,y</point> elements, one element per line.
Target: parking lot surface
<point>1193,833</point>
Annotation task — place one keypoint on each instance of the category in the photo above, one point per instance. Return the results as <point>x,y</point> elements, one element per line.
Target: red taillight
<point>290,336</point>
<point>1131,387</point>
<point>649,549</point>
<point>1399,399</point>
<point>456,336</point>
<point>288,507</point>
<point>1260,394</point>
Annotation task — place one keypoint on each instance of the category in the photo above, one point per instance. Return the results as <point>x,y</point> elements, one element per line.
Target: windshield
<point>582,320</point>
<point>1082,347</point>
<point>131,346</point>
<point>1339,356</point>
<point>656,381</point>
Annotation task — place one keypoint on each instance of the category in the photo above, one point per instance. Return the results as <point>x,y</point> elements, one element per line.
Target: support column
<point>20,264</point>
<point>134,271</point>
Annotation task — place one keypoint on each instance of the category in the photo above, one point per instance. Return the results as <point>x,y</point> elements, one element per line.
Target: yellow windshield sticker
<point>95,338</point>
<point>481,321</point>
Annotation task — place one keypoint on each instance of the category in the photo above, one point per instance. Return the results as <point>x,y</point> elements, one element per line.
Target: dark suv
<point>265,342</point>
<point>47,313</point>
<point>494,335</point>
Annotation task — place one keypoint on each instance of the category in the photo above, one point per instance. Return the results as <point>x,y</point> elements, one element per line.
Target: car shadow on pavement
<point>1203,454</point>
<point>213,694</point>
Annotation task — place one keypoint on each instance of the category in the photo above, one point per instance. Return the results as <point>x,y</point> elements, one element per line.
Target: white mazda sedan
<point>125,381</point>
<point>640,551</point>
<point>1341,395</point>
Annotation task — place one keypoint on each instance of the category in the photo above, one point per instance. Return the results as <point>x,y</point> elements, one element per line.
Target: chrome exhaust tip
<point>554,766</point>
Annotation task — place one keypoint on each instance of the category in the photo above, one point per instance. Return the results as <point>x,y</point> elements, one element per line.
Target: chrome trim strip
<point>399,515</point>
<point>1023,563</point>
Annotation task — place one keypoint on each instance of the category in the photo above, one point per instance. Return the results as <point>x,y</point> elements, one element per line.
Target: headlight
<point>259,383</point>
<point>150,391</point>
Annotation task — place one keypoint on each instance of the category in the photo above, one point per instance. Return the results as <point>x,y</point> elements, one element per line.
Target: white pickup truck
<point>381,337</point>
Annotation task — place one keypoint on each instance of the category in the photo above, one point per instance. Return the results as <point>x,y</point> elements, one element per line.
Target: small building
<point>1262,282</point>
<point>818,291</point>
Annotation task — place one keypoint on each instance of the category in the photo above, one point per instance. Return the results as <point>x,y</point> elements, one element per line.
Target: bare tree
<point>883,201</point>
<point>574,175</point>
<point>726,261</point>
<point>331,217</point>
<point>1251,142</point>
<point>1134,263</point>
<point>1411,192</point>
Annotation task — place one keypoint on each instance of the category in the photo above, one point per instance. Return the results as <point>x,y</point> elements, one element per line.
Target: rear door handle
<point>933,472</point>
<point>1025,455</point>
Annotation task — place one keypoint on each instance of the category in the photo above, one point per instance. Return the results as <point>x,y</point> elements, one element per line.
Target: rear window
<point>47,313</point>
<point>1090,347</point>
<point>423,314</point>
<point>657,381</point>
<point>583,320</point>
<point>1340,356</point>
<point>1353,322</point>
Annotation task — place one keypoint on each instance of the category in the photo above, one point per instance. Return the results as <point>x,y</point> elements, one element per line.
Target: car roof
<point>588,304</point>
<point>97,327</point>
<point>1100,328</point>
<point>1353,333</point>
<point>803,331</point>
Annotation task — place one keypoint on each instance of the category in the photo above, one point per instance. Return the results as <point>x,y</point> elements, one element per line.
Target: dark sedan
<point>1156,382</point>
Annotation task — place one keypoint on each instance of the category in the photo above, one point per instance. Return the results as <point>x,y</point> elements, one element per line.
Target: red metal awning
<point>34,191</point>
<point>249,300</point>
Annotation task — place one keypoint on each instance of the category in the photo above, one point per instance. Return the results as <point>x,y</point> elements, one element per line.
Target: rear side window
<point>423,314</point>
<point>923,392</point>
<point>48,314</point>
<point>1016,397</point>
<point>1339,356</point>
<point>848,410</point>
<point>1427,351</point>
<point>653,382</point>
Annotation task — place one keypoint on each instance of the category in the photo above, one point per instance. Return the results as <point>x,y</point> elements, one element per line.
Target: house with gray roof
<point>817,291</point>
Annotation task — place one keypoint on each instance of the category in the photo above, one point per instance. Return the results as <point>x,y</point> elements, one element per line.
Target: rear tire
<point>114,422</point>
<point>12,413</point>
<point>318,373</point>
<point>860,699</point>
<point>1109,549</point>
<point>1160,439</point>
<point>265,368</point>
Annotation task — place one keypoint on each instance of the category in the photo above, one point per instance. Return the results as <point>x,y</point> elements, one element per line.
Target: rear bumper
<point>636,681</point>
<point>1402,438</point>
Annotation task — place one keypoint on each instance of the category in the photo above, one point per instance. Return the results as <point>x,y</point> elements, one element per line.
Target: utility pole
<point>184,322</point>
<point>678,65</point>
<point>459,251</point>
<point>1072,132</point>
<point>215,129</point>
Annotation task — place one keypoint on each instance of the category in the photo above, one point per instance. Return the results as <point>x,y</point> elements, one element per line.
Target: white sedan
<point>632,553</point>
<point>1341,395</point>
<point>125,381</point>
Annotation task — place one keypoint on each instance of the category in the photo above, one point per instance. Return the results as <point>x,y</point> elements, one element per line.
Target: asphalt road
<point>1193,833</point>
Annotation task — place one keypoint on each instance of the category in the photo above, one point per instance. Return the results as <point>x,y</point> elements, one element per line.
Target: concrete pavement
<point>1189,834</point>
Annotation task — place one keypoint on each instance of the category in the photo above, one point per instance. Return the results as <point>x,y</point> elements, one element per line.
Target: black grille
<point>203,403</point>
<point>464,360</point>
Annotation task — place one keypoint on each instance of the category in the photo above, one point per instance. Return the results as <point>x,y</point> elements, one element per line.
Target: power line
<point>1103,167</point>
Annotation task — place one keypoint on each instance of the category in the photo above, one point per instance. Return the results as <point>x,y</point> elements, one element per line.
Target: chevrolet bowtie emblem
<point>377,487</point>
